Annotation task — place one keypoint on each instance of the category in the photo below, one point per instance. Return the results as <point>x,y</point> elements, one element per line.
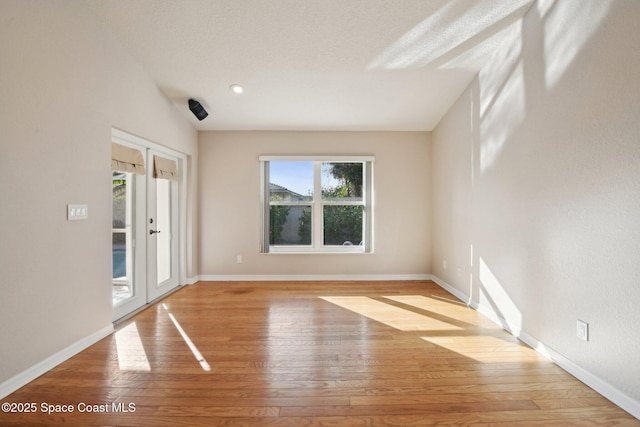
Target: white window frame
<point>317,205</point>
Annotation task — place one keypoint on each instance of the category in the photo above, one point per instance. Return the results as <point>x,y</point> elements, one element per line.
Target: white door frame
<point>120,137</point>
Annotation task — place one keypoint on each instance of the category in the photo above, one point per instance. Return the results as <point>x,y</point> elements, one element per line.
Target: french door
<point>162,226</point>
<point>145,232</point>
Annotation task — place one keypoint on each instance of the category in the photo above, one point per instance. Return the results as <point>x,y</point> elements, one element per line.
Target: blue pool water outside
<point>119,263</point>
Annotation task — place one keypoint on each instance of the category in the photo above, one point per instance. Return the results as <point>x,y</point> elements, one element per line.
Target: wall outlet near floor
<point>239,259</point>
<point>583,330</point>
<point>444,264</point>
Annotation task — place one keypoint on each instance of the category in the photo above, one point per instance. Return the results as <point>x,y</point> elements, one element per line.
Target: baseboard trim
<point>604,388</point>
<point>599,385</point>
<point>309,277</point>
<point>30,374</point>
<point>447,287</point>
<point>192,280</point>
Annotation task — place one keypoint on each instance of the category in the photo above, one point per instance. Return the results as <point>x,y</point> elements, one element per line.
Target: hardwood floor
<point>312,354</point>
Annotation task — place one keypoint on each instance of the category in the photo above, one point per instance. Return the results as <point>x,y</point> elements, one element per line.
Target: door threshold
<point>144,307</point>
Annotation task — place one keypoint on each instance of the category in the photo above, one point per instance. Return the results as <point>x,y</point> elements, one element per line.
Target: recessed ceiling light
<point>236,88</point>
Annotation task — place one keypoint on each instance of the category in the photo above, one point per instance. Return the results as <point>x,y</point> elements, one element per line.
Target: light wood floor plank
<point>295,354</point>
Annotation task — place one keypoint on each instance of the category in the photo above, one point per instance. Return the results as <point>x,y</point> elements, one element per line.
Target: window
<point>317,204</point>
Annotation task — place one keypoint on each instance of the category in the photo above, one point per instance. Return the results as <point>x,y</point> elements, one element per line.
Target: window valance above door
<point>165,168</point>
<point>125,159</point>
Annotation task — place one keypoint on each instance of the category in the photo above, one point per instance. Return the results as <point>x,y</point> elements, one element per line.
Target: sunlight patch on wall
<point>563,41</point>
<point>131,353</point>
<point>502,102</point>
<point>503,84</point>
<point>390,315</point>
<point>493,296</point>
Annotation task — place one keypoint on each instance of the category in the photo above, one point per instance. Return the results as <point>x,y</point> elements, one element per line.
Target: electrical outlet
<point>583,330</point>
<point>239,259</point>
<point>444,264</point>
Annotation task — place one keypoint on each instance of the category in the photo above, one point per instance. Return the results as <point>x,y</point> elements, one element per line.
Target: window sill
<point>314,252</point>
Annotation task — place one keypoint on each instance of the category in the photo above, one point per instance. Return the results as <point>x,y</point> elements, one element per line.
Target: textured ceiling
<point>313,64</point>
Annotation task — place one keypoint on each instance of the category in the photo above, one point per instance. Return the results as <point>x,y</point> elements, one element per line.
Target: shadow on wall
<point>539,50</point>
<point>504,86</point>
<point>517,79</point>
<point>544,230</point>
<point>544,39</point>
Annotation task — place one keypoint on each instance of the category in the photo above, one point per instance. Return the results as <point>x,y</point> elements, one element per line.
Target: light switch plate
<point>77,212</point>
<point>582,330</point>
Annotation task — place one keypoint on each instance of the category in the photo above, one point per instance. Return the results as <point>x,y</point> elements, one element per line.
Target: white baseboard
<point>192,280</point>
<point>310,277</point>
<point>604,388</point>
<point>461,296</point>
<point>25,377</point>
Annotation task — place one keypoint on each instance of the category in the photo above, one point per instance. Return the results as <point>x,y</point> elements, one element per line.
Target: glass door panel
<point>121,241</point>
<point>163,215</point>
<point>128,279</point>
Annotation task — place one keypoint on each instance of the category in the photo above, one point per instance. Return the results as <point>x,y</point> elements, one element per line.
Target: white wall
<point>64,83</point>
<point>230,212</point>
<point>536,186</point>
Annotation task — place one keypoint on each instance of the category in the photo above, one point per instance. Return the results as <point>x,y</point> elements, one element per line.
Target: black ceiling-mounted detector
<point>197,109</point>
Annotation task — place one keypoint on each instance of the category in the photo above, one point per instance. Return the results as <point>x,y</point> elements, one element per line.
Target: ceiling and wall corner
<point>313,65</point>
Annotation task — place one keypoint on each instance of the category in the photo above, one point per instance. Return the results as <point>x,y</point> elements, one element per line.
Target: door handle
<point>152,232</point>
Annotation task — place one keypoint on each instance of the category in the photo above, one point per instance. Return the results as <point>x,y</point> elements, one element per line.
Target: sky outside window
<point>297,176</point>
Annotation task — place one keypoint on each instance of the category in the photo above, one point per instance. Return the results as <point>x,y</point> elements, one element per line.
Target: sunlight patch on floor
<point>199,357</point>
<point>485,349</point>
<point>131,353</point>
<point>390,315</point>
<point>453,309</point>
